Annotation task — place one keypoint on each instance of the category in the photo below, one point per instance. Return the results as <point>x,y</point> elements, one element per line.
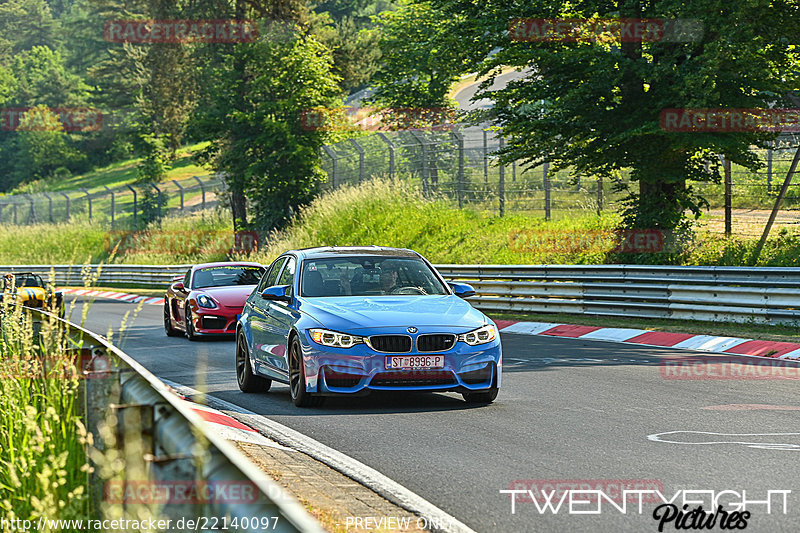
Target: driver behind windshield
<point>388,279</point>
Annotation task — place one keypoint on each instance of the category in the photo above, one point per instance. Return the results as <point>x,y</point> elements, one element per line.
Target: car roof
<point>227,263</point>
<point>337,251</point>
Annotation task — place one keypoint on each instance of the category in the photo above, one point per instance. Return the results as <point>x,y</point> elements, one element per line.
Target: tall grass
<point>384,213</point>
<point>43,464</point>
<point>387,213</point>
<point>173,240</point>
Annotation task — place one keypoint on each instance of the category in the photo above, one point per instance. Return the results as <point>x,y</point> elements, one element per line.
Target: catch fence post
<point>546,178</point>
<point>360,150</point>
<point>88,200</point>
<point>202,191</point>
<point>180,189</point>
<point>66,197</point>
<point>502,185</point>
<point>134,205</point>
<point>391,146</point>
<point>335,162</point>
<point>113,205</point>
<point>158,198</point>
<point>424,146</point>
<point>49,207</point>
<point>460,183</point>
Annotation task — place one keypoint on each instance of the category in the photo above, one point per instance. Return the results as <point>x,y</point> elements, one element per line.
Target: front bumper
<point>218,321</point>
<point>361,369</point>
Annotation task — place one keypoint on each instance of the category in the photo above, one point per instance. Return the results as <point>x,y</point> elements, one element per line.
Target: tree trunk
<point>238,198</point>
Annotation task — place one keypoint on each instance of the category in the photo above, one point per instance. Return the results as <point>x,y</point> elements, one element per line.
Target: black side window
<point>272,275</point>
<point>186,279</point>
<point>287,276</point>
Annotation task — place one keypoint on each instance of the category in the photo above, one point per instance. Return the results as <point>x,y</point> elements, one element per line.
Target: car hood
<point>346,313</point>
<point>232,296</point>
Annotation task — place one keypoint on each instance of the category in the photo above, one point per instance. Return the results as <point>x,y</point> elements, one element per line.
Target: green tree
<point>39,147</point>
<point>356,50</point>
<point>42,78</point>
<point>424,52</point>
<point>257,95</point>
<point>594,106</point>
<point>25,24</point>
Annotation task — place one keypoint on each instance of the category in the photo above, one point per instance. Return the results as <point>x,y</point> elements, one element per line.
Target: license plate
<point>398,362</point>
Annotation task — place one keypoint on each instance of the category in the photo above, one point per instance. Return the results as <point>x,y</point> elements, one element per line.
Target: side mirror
<point>276,293</point>
<point>179,287</point>
<point>462,290</point>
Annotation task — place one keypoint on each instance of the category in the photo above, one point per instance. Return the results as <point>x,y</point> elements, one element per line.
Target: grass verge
<point>385,213</point>
<point>43,464</point>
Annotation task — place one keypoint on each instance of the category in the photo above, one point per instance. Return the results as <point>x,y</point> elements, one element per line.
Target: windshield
<point>222,276</point>
<point>368,276</point>
<point>23,280</point>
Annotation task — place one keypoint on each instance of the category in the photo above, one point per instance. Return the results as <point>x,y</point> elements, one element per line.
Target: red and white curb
<point>121,296</point>
<point>228,427</point>
<point>661,339</point>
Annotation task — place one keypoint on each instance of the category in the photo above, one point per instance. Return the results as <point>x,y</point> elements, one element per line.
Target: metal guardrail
<point>731,294</point>
<point>155,276</point>
<point>158,434</point>
<point>736,294</point>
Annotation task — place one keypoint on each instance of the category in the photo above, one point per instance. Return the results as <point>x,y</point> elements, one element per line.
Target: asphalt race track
<point>568,410</point>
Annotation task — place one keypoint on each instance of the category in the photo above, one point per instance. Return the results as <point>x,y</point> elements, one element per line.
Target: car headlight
<point>478,336</point>
<point>334,339</point>
<point>206,301</point>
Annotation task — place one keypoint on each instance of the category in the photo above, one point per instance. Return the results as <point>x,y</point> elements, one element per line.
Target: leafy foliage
<point>423,54</point>
<point>594,106</point>
<point>254,108</point>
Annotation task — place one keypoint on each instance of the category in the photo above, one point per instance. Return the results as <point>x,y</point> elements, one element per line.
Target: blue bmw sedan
<point>350,320</point>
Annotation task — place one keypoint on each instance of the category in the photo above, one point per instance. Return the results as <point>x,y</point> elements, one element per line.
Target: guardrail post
<point>502,185</point>
<point>158,198</point>
<point>2,206</point>
<point>546,178</point>
<point>66,197</point>
<point>460,184</point>
<point>202,190</point>
<point>89,200</point>
<point>391,146</point>
<point>49,207</point>
<point>15,213</point>
<point>113,207</point>
<point>134,204</point>
<point>180,189</point>
<point>335,161</point>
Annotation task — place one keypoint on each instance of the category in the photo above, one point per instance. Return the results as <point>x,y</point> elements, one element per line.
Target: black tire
<point>248,382</point>
<point>168,329</point>
<point>190,334</point>
<point>481,398</point>
<point>297,378</point>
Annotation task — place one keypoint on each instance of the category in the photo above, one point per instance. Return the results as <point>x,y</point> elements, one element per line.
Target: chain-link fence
<point>461,165</point>
<point>123,207</point>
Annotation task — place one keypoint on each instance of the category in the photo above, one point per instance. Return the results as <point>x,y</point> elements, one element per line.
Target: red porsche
<point>209,298</point>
